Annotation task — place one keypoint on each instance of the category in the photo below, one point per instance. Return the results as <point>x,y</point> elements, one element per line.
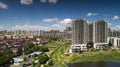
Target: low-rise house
<point>77,48</point>
<point>16,48</point>
<point>3,47</point>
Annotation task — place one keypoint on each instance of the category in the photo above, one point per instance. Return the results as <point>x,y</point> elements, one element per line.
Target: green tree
<point>110,44</point>
<point>44,48</point>
<point>50,62</point>
<point>46,66</point>
<point>6,57</point>
<point>55,38</point>
<point>92,49</point>
<point>43,58</point>
<point>90,45</point>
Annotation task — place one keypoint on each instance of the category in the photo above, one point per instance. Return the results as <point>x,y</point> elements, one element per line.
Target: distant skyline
<point>56,14</point>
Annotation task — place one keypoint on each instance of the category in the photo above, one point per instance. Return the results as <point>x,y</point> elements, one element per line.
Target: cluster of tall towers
<point>84,32</point>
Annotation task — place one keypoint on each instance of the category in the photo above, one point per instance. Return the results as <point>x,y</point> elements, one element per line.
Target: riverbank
<point>95,56</point>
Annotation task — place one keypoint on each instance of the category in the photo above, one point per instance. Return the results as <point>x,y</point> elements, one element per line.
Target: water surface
<point>95,64</point>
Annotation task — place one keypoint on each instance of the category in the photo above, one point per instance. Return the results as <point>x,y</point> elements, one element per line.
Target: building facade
<point>115,41</point>
<point>114,38</point>
<point>83,33</point>
<point>113,33</point>
<point>90,32</point>
<point>100,34</point>
<point>28,32</point>
<point>80,35</point>
<point>80,31</point>
<point>68,34</point>
<point>53,33</point>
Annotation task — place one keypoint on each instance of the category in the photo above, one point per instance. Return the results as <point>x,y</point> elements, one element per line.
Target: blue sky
<point>56,14</point>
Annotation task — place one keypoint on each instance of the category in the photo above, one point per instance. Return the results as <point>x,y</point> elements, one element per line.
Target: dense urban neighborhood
<point>55,48</point>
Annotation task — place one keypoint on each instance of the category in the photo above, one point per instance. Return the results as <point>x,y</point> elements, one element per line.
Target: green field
<point>60,59</point>
<point>58,49</point>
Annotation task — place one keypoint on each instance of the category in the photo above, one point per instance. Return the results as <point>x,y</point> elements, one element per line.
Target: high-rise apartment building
<point>68,34</point>
<point>100,31</point>
<point>113,33</point>
<point>28,32</point>
<point>90,32</point>
<point>100,34</point>
<point>83,33</point>
<point>80,31</point>
<point>80,35</point>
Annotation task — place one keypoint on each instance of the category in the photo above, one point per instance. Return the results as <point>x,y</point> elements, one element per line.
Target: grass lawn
<point>60,60</point>
<point>59,48</point>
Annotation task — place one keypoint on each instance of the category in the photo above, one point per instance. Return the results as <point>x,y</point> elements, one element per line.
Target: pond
<point>95,64</point>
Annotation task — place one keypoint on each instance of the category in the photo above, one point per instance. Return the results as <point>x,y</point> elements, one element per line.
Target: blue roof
<point>35,53</point>
<point>17,59</point>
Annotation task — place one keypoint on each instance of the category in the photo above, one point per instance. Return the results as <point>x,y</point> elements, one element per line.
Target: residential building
<point>113,33</point>
<point>114,38</point>
<point>80,35</point>
<point>28,32</point>
<point>68,34</point>
<point>100,34</point>
<point>115,41</point>
<point>53,33</point>
<point>90,32</point>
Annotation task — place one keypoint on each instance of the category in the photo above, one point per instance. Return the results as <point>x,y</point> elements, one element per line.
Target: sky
<point>56,14</point>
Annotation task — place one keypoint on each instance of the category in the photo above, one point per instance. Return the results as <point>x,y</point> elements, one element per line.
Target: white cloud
<point>43,1</point>
<point>66,21</point>
<point>114,27</point>
<point>115,17</point>
<point>49,1</point>
<point>92,14</point>
<point>61,25</point>
<point>109,24</point>
<point>30,27</point>
<point>53,1</point>
<point>56,25</point>
<point>2,27</point>
<point>50,20</point>
<point>117,27</point>
<point>3,5</point>
<point>26,2</point>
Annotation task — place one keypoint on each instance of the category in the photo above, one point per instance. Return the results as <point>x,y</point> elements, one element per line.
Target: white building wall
<point>76,48</point>
<point>115,41</point>
<point>100,46</point>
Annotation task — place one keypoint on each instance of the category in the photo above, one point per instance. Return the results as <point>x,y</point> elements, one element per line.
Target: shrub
<point>44,48</point>
<point>50,62</point>
<point>93,49</point>
<point>46,66</point>
<point>43,58</point>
